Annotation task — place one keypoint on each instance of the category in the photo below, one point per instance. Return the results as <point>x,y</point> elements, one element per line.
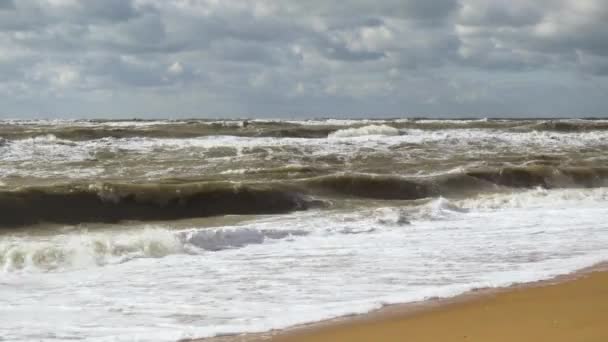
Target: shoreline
<point>447,315</point>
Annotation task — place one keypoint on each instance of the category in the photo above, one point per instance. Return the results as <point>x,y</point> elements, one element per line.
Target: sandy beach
<point>570,310</point>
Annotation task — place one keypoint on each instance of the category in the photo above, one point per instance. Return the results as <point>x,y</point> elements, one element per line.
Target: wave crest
<point>80,250</point>
<point>365,130</point>
<point>219,239</point>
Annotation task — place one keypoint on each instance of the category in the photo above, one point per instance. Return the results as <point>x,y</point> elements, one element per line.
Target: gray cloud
<point>500,14</point>
<point>418,10</point>
<point>113,10</point>
<point>533,33</point>
<point>6,5</point>
<point>271,58</point>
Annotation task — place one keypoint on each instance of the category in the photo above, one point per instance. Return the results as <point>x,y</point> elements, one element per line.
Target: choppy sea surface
<point>164,230</point>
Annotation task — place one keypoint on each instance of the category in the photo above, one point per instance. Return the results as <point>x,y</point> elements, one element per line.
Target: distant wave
<point>92,130</point>
<point>365,130</point>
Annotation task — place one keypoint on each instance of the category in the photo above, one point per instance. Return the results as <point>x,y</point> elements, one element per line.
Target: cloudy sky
<point>293,58</point>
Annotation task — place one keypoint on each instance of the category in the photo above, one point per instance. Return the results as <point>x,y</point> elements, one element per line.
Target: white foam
<point>225,238</point>
<point>365,130</point>
<point>241,171</point>
<point>536,198</point>
<point>84,250</point>
<point>95,249</point>
<point>326,122</point>
<point>283,270</point>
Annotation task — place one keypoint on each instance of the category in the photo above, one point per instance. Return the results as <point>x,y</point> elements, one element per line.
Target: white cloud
<point>65,76</point>
<point>176,68</point>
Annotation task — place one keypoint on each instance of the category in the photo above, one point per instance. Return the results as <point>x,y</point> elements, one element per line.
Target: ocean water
<point>165,230</point>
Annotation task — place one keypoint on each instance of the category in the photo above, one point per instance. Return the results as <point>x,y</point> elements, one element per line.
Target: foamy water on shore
<point>335,225</point>
<point>158,284</point>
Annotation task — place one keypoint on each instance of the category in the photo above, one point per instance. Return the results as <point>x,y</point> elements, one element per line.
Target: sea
<point>163,230</point>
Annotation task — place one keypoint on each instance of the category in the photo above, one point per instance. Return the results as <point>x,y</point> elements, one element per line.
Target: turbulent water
<point>163,230</point>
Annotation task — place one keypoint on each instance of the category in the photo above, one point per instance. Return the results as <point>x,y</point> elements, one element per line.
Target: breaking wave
<point>365,130</point>
<point>109,203</point>
<point>567,126</point>
<point>101,248</point>
<point>219,239</point>
<point>467,182</point>
<point>73,204</point>
<point>84,248</point>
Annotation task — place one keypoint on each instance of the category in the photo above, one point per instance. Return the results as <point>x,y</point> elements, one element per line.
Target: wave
<point>222,238</point>
<point>517,125</point>
<point>365,130</point>
<point>386,187</point>
<point>534,198</point>
<point>170,130</point>
<point>297,132</point>
<point>73,204</point>
<point>544,176</point>
<point>370,186</point>
<point>109,203</point>
<point>567,126</point>
<point>85,249</point>
<point>277,171</point>
<point>94,130</point>
<point>437,209</point>
<point>466,182</point>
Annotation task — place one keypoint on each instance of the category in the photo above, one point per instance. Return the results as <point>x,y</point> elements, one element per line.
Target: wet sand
<point>566,309</point>
<point>575,310</point>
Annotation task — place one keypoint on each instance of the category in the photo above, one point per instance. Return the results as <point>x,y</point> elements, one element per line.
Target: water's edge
<point>402,310</point>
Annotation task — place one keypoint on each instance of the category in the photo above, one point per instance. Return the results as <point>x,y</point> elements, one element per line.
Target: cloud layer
<point>303,58</point>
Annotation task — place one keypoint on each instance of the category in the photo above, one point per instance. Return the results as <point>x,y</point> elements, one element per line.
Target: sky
<point>296,59</point>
